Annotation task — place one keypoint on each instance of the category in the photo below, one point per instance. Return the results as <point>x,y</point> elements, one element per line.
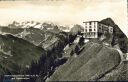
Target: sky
<point>64,12</point>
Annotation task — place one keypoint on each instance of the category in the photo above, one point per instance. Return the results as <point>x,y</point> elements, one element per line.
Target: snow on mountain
<point>31,24</point>
<point>34,24</point>
<point>65,28</point>
<point>26,24</point>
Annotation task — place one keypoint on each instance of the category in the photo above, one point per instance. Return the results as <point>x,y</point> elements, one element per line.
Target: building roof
<point>96,21</point>
<point>90,21</point>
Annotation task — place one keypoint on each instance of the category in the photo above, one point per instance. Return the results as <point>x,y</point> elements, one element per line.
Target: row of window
<point>90,30</point>
<point>90,26</point>
<point>90,23</point>
<point>91,33</point>
<point>105,29</point>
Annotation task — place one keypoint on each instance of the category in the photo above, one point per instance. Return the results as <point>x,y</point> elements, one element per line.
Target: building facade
<point>93,29</point>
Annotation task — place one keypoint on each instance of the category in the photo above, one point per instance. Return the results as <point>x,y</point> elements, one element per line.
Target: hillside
<point>16,54</point>
<point>32,35</point>
<point>6,29</point>
<point>28,44</point>
<point>118,36</point>
<point>93,61</point>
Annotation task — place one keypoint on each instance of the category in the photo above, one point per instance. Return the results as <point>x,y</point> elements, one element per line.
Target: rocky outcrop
<point>76,29</point>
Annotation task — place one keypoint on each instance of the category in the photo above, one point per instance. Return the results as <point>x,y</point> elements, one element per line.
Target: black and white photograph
<point>63,40</point>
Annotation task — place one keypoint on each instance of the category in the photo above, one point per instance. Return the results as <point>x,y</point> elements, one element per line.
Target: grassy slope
<point>115,75</point>
<point>93,62</point>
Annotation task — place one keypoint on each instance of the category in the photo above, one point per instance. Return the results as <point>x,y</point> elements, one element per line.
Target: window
<point>94,29</point>
<point>94,33</point>
<point>90,27</point>
<point>85,30</point>
<point>90,30</point>
<point>89,23</point>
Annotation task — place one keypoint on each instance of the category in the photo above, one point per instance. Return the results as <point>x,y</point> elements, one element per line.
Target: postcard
<point>63,40</point>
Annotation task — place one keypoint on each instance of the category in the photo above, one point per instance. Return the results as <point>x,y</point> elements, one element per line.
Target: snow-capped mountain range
<point>46,25</point>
